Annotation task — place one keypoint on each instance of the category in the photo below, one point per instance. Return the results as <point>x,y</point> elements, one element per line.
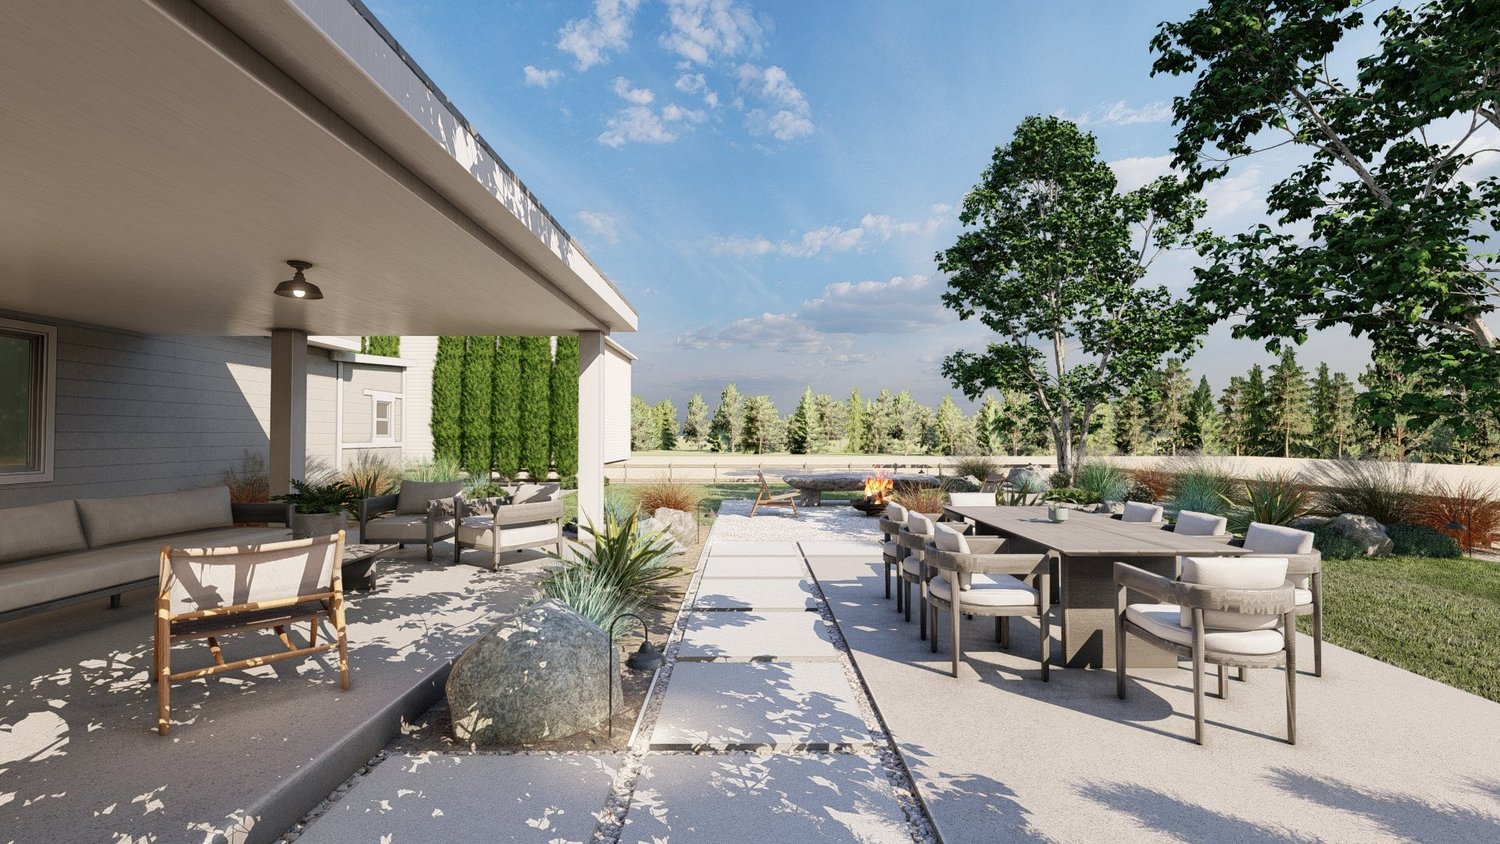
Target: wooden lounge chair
<point>766,498</point>
<point>206,593</point>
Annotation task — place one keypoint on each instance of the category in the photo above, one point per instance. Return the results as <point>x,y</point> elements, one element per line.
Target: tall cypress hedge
<point>536,375</point>
<point>505,406</point>
<point>474,414</point>
<point>447,393</point>
<point>565,406</point>
<point>381,344</point>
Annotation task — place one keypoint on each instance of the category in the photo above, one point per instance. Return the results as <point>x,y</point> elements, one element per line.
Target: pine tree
<point>1101,430</point>
<point>383,345</point>
<point>1174,392</point>
<point>447,398</point>
<point>666,420</point>
<point>1290,415</point>
<point>1344,416</point>
<point>534,416</point>
<point>645,425</point>
<point>474,414</point>
<point>954,432</point>
<point>802,428</point>
<point>763,429</point>
<point>987,426</point>
<point>1321,401</point>
<point>505,408</point>
<point>1232,417</point>
<point>563,403</point>
<point>695,425</point>
<point>880,422</point>
<point>831,421</point>
<point>729,418</point>
<point>1255,416</point>
<point>1386,388</point>
<point>1129,424</point>
<point>854,425</point>
<point>1200,431</point>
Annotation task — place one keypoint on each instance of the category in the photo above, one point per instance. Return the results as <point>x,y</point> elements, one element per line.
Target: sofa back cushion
<point>414,495</point>
<point>1234,573</point>
<point>107,521</point>
<point>39,530</point>
<point>532,493</point>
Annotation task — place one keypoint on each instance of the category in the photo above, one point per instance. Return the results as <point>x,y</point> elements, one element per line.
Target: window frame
<point>44,404</point>
<point>392,400</point>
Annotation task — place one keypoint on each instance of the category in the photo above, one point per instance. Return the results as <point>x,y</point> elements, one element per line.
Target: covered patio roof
<point>163,158</point>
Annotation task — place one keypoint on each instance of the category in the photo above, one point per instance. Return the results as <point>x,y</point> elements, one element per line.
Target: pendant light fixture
<point>298,287</point>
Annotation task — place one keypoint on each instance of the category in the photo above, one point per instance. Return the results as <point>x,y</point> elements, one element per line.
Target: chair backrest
<point>1190,523</point>
<point>195,579</point>
<point>1276,539</point>
<point>992,483</point>
<point>948,539</point>
<point>764,487</point>
<point>895,512</point>
<point>1234,573</point>
<point>530,493</point>
<point>918,524</point>
<point>1136,511</point>
<point>971,499</point>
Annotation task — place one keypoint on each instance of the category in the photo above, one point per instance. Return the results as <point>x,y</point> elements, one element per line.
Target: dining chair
<point>891,523</point>
<point>1190,523</point>
<point>1223,611</point>
<point>1305,568</point>
<point>914,538</point>
<point>974,576</point>
<point>1136,511</point>
<point>971,499</point>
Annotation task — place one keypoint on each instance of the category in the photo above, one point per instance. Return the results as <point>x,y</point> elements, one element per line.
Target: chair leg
<point>887,581</point>
<point>922,609</point>
<point>1198,695</point>
<point>906,591</point>
<point>163,673</point>
<point>1119,656</point>
<point>114,601</point>
<point>429,552</point>
<point>1224,681</point>
<point>1004,631</point>
<point>954,627</point>
<point>341,634</point>
<point>997,630</point>
<point>1318,640</point>
<point>1291,679</point>
<point>900,587</point>
<point>1046,624</point>
<point>932,622</point>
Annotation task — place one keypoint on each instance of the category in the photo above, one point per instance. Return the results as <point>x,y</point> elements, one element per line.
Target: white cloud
<point>538,78</point>
<point>1121,114</point>
<point>1230,195</point>
<point>672,112</point>
<point>591,39</point>
<point>782,332</point>
<point>601,225</point>
<point>636,124</point>
<point>872,227</point>
<point>785,113</point>
<point>702,30</point>
<point>695,83</point>
<point>1138,172</point>
<point>638,96</point>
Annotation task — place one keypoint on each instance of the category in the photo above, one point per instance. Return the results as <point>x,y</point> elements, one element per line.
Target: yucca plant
<point>370,474</point>
<point>623,567</point>
<point>1271,499</point>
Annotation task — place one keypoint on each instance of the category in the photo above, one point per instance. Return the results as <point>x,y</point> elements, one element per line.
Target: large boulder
<point>652,526</point>
<point>1032,477</point>
<point>1365,532</point>
<point>538,675</point>
<point>684,525</point>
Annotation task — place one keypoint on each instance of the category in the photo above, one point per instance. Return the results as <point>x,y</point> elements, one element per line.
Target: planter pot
<point>308,525</point>
<point>1057,514</point>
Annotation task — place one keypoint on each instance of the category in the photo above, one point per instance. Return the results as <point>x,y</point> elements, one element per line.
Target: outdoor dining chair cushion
<point>971,499</point>
<point>1136,511</point>
<point>1162,620</point>
<point>1234,573</point>
<point>414,495</point>
<point>895,512</point>
<point>986,590</point>
<point>918,524</point>
<point>402,527</point>
<point>1275,539</point>
<point>948,539</point>
<point>890,549</point>
<point>1190,523</point>
<point>107,521</point>
<point>39,530</point>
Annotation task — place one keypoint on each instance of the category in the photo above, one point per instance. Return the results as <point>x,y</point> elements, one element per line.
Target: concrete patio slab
<point>842,547</point>
<point>445,797</point>
<point>753,548</point>
<point>251,752</point>
<point>741,636</point>
<point>721,565</point>
<point>758,593</point>
<point>745,706</point>
<point>1382,754</point>
<point>746,798</point>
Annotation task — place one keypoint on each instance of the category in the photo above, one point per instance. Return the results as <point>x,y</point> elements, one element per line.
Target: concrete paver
<point>844,547</point>
<point>774,705</point>
<point>756,635</point>
<point>760,593</point>
<point>753,548</point>
<point>730,798</point>
<point>439,797</point>
<point>725,565</point>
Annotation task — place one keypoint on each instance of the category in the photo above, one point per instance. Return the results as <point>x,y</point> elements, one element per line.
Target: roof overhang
<point>161,159</point>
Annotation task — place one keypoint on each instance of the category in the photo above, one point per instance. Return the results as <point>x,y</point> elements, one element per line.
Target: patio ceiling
<point>158,165</point>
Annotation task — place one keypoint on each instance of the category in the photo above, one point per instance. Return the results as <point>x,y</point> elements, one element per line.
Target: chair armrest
<point>986,544</point>
<point>1278,600</point>
<point>912,541</point>
<point>439,509</point>
<point>1020,564</point>
<point>375,505</point>
<point>271,512</point>
<point>1157,586</point>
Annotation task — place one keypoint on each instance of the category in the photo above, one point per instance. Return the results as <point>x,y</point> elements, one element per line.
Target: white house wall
<point>419,353</point>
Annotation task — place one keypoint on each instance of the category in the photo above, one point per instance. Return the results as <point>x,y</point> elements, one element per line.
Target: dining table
<point>1087,545</point>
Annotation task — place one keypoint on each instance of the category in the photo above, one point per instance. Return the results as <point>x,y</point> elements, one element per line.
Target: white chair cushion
<point>1304,597</point>
<point>1190,523</point>
<point>986,590</point>
<point>892,550</point>
<point>1161,620</point>
<point>948,539</point>
<point>1275,539</point>
<point>971,499</point>
<point>895,512</point>
<point>912,566</point>
<point>1234,573</point>
<point>1136,511</point>
<point>918,524</point>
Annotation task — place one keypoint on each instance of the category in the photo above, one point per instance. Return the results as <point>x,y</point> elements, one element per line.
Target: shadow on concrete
<point>1405,815</point>
<point>1161,812</point>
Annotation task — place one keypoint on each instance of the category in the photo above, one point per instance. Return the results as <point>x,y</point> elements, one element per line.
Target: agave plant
<point>621,571</point>
<point>1271,499</point>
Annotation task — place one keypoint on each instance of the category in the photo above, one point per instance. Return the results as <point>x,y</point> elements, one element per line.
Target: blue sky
<point>768,182</point>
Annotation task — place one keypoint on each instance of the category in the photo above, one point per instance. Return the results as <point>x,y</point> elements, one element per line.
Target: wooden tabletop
<point>1093,534</point>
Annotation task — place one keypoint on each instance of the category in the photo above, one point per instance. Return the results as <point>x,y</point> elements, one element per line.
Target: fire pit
<point>877,488</point>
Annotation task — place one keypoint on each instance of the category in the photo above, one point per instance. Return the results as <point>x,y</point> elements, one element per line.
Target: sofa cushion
<point>414,495</point>
<point>38,530</point>
<point>1234,573</point>
<point>404,528</point>
<point>1161,620</point>
<point>64,575</point>
<point>107,521</point>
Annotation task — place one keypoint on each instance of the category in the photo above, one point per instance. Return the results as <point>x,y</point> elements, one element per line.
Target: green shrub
<point>1202,488</point>
<point>1335,545</point>
<point>479,491</point>
<point>564,405</point>
<point>447,397</point>
<point>1060,479</point>
<point>1072,495</point>
<point>1140,492</point>
<point>535,413</point>
<point>1106,481</point>
<point>1389,493</point>
<point>1271,499</point>
<point>978,467</point>
<point>622,571</point>
<point>1422,541</point>
<point>440,468</point>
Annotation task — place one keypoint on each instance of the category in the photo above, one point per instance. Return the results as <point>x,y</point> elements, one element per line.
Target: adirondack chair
<point>766,498</point>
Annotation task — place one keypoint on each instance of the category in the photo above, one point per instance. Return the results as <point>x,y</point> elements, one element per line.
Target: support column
<point>590,429</point>
<point>288,408</point>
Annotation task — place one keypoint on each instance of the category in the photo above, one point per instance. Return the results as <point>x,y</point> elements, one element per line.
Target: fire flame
<point>877,487</point>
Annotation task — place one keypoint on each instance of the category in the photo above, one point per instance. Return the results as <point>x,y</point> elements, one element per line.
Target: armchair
<point>420,512</point>
<point>974,576</point>
<point>913,538</point>
<point>532,518</point>
<point>1304,567</point>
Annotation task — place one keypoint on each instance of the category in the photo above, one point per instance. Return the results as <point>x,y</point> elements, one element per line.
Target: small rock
<point>1365,532</point>
<point>1110,508</point>
<point>684,525</point>
<point>1311,523</point>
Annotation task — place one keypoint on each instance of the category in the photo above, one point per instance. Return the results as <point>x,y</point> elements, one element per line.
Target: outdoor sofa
<point>72,550</point>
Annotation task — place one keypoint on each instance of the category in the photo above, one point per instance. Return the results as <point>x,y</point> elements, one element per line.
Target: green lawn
<point>1437,618</point>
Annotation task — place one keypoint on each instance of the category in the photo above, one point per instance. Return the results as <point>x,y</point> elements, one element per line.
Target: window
<point>385,418</point>
<point>27,359</point>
